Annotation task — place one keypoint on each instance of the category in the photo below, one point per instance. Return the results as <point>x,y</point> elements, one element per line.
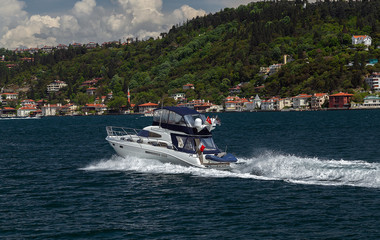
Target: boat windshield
<point>190,119</point>
<point>191,144</point>
<point>209,144</point>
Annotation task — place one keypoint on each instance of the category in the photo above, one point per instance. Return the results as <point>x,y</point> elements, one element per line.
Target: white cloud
<point>85,7</point>
<point>11,14</point>
<point>87,22</point>
<point>187,12</point>
<point>35,31</point>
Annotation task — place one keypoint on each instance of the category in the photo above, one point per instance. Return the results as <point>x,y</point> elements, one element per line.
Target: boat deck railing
<point>132,134</point>
<point>121,131</point>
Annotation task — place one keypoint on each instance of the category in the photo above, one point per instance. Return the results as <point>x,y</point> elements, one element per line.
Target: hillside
<point>217,52</point>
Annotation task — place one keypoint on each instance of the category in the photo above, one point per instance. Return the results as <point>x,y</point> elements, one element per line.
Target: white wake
<point>267,166</point>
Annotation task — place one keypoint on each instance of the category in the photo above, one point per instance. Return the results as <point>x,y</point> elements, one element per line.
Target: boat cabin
<point>180,119</point>
<point>185,121</point>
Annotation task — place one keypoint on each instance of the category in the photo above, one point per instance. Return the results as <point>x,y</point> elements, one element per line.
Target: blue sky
<point>56,6</point>
<point>35,23</point>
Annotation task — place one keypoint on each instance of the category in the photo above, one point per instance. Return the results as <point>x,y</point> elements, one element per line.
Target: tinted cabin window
<point>176,119</point>
<point>161,116</point>
<point>145,133</point>
<point>154,135</point>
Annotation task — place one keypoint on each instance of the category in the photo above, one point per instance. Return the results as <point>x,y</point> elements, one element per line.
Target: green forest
<point>215,53</point>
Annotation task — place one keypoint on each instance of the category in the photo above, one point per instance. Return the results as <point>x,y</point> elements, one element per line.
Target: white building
<point>374,81</point>
<point>51,109</point>
<point>56,86</point>
<point>232,106</point>
<point>361,39</point>
<point>268,105</point>
<point>178,96</point>
<point>301,101</point>
<point>288,102</point>
<point>215,108</point>
<point>28,102</point>
<point>147,107</point>
<point>25,111</point>
<point>10,96</point>
<point>372,101</point>
<point>257,102</point>
<point>318,99</point>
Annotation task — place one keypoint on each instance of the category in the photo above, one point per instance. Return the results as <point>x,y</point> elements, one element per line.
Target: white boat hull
<point>163,154</point>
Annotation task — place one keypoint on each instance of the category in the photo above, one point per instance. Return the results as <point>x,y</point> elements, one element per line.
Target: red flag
<point>208,120</point>
<point>202,148</point>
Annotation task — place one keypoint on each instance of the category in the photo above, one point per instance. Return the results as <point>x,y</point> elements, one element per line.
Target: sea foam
<point>266,166</point>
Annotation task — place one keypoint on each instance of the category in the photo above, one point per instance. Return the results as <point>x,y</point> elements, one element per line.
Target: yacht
<point>178,135</point>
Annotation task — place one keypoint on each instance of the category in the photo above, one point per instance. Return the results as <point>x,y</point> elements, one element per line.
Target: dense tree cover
<point>218,51</point>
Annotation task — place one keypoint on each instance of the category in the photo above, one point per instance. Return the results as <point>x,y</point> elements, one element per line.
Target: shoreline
<point>142,114</point>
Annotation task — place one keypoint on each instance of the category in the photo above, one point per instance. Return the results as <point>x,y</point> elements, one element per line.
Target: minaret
<point>129,97</point>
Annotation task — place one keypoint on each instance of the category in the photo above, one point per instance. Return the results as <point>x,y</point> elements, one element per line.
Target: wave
<point>267,166</point>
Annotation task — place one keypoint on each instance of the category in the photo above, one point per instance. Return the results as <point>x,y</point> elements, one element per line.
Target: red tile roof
<point>342,95</point>
<point>319,94</point>
<point>148,105</point>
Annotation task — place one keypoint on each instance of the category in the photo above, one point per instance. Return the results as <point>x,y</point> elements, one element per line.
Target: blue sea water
<point>304,175</point>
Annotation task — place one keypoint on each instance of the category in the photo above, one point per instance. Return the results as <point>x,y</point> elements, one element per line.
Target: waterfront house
<point>235,104</point>
<point>273,104</point>
<point>215,108</point>
<point>249,106</point>
<point>361,39</point>
<point>26,111</point>
<point>301,101</point>
<point>373,81</point>
<point>340,101</point>
<point>288,102</point>
<point>203,107</point>
<point>147,107</point>
<point>372,101</point>
<point>232,106</point>
<point>192,103</point>
<point>51,109</point>
<point>99,109</point>
<point>317,100</point>
<point>69,109</point>
<point>268,105</point>
<point>8,112</point>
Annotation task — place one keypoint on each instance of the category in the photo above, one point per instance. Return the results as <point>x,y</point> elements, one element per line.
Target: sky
<point>35,23</point>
